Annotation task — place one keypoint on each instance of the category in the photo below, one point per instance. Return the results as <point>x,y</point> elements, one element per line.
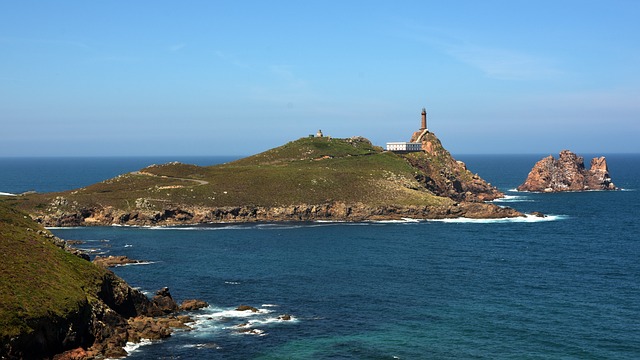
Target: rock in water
<point>193,304</point>
<point>567,173</point>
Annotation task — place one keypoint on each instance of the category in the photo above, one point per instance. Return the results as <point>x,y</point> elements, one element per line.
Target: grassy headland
<point>308,171</point>
<point>38,279</point>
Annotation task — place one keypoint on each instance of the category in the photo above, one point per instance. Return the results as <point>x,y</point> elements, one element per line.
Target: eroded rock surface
<point>568,173</point>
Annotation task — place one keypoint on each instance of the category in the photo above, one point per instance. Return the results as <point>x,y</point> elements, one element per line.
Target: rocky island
<point>568,173</point>
<point>312,178</point>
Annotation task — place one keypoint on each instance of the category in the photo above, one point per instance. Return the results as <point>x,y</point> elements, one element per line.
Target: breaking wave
<point>513,198</point>
<point>136,263</point>
<point>132,347</point>
<point>212,320</point>
<point>527,219</point>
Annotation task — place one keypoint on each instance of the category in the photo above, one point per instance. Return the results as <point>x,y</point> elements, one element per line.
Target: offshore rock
<point>246,308</point>
<point>193,304</point>
<point>163,303</point>
<point>568,173</point>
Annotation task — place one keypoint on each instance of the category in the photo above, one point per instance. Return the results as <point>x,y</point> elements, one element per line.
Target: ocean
<point>563,287</point>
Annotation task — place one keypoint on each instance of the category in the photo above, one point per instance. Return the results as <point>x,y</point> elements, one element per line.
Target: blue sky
<point>239,77</point>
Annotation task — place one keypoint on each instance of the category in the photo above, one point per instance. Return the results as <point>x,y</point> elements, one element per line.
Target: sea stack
<point>568,173</point>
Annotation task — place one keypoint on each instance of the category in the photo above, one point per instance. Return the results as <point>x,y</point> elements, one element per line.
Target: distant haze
<point>155,77</point>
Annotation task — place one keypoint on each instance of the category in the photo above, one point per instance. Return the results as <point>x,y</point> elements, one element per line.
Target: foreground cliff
<point>568,173</point>
<point>304,180</point>
<point>52,301</point>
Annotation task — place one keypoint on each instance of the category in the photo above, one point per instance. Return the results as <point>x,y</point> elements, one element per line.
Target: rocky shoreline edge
<point>178,215</point>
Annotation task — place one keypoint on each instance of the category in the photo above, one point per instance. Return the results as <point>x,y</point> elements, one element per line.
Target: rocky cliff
<point>568,173</point>
<point>189,215</point>
<point>445,176</point>
<point>53,301</point>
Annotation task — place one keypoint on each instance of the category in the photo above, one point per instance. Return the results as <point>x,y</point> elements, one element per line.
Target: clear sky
<point>239,77</point>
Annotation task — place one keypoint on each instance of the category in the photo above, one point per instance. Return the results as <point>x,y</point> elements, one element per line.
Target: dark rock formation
<point>120,314</point>
<point>568,173</point>
<point>246,308</point>
<point>123,315</point>
<point>163,303</point>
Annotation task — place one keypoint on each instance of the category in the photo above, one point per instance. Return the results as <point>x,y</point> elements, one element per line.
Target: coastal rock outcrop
<point>445,176</point>
<point>114,260</point>
<point>568,173</point>
<point>336,211</point>
<point>191,305</point>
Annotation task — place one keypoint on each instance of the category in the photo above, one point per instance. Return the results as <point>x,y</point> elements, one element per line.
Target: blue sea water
<point>563,287</point>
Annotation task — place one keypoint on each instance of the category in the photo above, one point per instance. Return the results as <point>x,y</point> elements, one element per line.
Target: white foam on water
<point>513,198</point>
<point>232,282</point>
<point>146,292</point>
<point>527,219</point>
<point>203,346</point>
<point>398,221</point>
<point>256,332</point>
<point>216,313</point>
<point>269,305</point>
<point>132,347</point>
<point>271,320</point>
<point>128,245</point>
<point>136,263</point>
<point>7,194</point>
<point>206,227</point>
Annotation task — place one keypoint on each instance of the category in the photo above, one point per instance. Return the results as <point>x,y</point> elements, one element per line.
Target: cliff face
<point>189,215</point>
<point>52,301</point>
<point>568,173</point>
<point>443,175</point>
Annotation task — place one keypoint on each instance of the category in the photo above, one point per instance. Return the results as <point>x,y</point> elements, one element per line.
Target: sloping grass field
<point>305,171</point>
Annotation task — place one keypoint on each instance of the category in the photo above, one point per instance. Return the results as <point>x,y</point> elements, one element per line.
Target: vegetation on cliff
<point>53,301</point>
<point>37,279</point>
<point>302,180</point>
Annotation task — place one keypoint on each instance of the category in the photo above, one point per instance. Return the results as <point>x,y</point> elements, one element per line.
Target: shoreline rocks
<point>568,173</point>
<point>113,261</point>
<point>123,315</point>
<point>335,211</point>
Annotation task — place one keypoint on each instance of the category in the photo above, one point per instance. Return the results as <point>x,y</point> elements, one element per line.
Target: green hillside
<point>38,279</point>
<point>310,178</point>
<point>306,171</point>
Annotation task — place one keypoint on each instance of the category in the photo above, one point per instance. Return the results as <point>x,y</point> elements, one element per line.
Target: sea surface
<point>562,287</point>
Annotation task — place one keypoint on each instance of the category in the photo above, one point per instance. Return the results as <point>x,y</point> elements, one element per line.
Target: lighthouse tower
<point>424,119</point>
